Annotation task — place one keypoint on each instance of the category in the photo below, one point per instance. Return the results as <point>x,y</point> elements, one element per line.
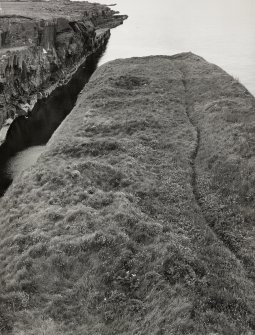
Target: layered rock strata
<point>138,219</point>
<point>41,43</point>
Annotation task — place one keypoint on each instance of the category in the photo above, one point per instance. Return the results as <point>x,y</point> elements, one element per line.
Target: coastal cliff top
<point>71,10</point>
<point>139,217</point>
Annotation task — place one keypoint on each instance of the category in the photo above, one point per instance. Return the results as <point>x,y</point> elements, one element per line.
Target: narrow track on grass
<point>189,109</point>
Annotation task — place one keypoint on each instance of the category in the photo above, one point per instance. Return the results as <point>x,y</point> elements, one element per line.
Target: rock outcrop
<point>138,219</point>
<point>41,42</point>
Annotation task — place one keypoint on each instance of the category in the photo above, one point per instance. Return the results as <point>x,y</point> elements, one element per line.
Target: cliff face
<point>138,219</point>
<point>36,53</point>
<point>37,127</point>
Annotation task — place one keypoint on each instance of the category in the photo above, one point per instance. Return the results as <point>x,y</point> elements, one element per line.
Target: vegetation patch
<point>138,219</point>
<point>128,82</point>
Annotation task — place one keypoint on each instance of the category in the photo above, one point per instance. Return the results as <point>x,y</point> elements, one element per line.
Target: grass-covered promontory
<point>139,217</point>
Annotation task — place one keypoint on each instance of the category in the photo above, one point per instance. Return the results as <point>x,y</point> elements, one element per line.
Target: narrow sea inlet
<point>27,136</point>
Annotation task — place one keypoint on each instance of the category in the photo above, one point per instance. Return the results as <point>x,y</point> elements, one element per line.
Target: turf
<point>138,219</point>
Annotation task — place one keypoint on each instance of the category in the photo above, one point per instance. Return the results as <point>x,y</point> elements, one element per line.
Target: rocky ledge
<point>41,43</point>
<point>139,217</point>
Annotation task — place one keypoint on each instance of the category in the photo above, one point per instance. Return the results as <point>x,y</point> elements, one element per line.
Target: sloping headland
<point>139,217</point>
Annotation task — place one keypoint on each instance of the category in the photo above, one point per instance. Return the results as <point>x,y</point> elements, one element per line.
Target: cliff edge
<point>42,43</point>
<point>139,217</point>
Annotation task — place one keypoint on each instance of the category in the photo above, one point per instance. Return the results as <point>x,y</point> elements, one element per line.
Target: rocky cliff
<point>139,217</point>
<point>41,42</point>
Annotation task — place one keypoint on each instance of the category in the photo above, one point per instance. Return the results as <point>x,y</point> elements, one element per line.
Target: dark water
<point>26,137</point>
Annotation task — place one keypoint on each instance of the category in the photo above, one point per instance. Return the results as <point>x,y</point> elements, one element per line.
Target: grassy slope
<point>127,225</point>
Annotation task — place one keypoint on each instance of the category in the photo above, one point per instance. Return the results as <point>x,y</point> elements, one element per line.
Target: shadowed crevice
<point>45,118</point>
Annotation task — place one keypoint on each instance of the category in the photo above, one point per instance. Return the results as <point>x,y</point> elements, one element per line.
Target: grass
<point>224,163</point>
<point>120,228</point>
<point>48,10</point>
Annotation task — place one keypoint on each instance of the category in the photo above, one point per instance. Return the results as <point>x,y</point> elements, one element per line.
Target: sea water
<point>221,31</point>
<point>23,160</point>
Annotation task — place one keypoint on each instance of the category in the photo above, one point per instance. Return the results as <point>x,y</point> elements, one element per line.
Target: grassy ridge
<point>114,230</point>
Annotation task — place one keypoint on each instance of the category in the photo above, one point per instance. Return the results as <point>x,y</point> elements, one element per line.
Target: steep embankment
<point>41,42</point>
<point>124,225</point>
<point>46,116</point>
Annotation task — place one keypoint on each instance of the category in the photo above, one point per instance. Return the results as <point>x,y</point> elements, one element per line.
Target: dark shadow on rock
<point>46,116</point>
